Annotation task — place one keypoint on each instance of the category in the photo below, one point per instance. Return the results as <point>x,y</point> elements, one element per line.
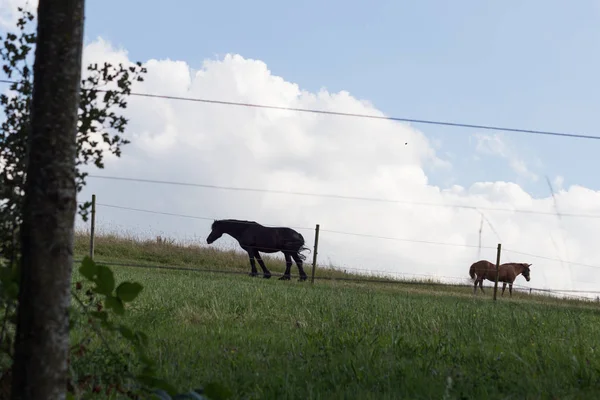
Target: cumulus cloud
<point>301,152</point>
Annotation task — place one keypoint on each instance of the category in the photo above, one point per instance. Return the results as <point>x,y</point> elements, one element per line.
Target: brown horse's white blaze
<point>507,273</point>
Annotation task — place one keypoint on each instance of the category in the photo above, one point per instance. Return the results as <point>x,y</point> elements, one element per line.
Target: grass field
<point>290,340</point>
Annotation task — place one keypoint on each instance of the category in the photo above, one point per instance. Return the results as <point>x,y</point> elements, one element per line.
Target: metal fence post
<point>314,263</point>
<point>93,226</point>
<point>497,272</point>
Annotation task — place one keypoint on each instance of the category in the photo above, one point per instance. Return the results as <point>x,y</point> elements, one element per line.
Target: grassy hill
<point>345,339</point>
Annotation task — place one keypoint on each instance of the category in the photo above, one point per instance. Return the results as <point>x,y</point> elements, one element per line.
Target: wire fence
<point>368,280</point>
<point>351,274</point>
<point>342,197</point>
<point>345,114</point>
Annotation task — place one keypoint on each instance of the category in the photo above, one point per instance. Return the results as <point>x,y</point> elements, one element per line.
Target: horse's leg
<point>288,267</point>
<point>481,285</point>
<point>298,261</point>
<point>253,272</point>
<point>503,287</point>
<point>266,272</point>
<point>510,289</point>
<point>475,287</point>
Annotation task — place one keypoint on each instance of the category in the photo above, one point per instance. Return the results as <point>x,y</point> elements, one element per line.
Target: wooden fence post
<point>316,248</point>
<point>93,226</point>
<point>497,272</point>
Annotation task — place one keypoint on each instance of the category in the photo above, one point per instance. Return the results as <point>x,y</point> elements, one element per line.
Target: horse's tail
<point>300,250</point>
<point>297,242</point>
<point>472,271</point>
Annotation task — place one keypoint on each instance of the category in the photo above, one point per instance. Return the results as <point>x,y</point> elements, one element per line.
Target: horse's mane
<point>516,263</point>
<point>232,222</point>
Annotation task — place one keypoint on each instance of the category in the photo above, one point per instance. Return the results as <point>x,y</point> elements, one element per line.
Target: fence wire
<point>385,276</point>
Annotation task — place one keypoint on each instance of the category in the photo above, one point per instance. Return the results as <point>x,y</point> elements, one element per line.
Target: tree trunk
<point>42,339</point>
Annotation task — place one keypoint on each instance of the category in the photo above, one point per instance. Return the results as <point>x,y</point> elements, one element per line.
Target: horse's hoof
<point>302,279</point>
<point>285,278</point>
<point>267,276</point>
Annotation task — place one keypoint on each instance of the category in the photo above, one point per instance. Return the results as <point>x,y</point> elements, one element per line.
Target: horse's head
<point>215,232</point>
<point>526,271</point>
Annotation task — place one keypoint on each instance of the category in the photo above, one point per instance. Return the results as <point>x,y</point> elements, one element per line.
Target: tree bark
<point>42,340</point>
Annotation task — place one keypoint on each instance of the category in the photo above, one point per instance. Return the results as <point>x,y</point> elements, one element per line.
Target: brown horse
<point>507,273</point>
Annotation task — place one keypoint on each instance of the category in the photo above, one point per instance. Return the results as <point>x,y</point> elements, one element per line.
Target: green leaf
<point>216,391</point>
<point>88,268</point>
<point>115,304</point>
<point>128,291</point>
<point>105,283</point>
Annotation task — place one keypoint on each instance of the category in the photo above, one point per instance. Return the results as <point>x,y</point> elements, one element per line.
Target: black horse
<point>254,238</point>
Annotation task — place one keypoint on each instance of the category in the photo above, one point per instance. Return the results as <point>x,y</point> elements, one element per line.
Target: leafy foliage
<point>117,373</point>
<point>100,124</point>
<point>95,365</point>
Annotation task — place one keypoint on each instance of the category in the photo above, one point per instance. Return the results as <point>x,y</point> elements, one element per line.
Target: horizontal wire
<point>462,278</point>
<point>386,272</point>
<point>329,278</point>
<point>322,230</point>
<point>383,272</point>
<point>188,216</point>
<point>196,217</point>
<point>516,285</point>
<point>356,115</point>
<point>407,240</point>
<point>342,197</point>
<point>358,235</point>
<point>396,273</point>
<point>191,269</point>
<point>551,259</point>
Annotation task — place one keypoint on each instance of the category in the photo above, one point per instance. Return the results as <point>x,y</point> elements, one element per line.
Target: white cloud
<point>292,151</point>
<point>495,145</point>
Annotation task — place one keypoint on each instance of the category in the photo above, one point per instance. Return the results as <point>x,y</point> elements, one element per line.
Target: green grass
<point>337,339</point>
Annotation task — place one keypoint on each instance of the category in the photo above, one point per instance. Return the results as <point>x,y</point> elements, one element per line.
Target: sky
<point>530,65</point>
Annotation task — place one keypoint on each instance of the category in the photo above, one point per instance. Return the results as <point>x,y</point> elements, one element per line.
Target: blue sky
<point>528,64</point>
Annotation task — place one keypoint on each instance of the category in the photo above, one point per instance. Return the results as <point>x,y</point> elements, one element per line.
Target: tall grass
<point>339,339</point>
